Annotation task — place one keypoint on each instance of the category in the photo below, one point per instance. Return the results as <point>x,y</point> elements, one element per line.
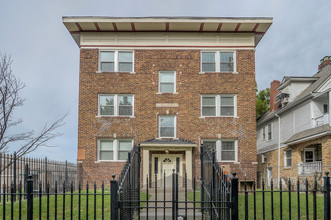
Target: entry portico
<point>162,156</point>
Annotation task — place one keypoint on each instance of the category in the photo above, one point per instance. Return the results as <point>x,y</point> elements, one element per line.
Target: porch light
<point>166,151</point>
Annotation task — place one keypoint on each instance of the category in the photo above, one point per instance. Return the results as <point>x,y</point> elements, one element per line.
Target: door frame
<point>161,157</point>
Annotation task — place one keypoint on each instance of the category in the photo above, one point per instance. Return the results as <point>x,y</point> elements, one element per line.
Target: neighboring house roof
<point>288,79</point>
<point>179,141</point>
<point>266,149</point>
<point>322,75</point>
<point>310,133</point>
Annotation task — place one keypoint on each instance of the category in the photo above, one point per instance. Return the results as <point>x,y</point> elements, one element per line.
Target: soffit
<point>259,26</point>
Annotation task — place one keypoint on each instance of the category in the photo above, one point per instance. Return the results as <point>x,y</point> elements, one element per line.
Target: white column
<point>188,159</point>
<point>145,166</point>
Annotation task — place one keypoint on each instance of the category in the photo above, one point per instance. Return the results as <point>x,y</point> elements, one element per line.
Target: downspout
<point>278,150</point>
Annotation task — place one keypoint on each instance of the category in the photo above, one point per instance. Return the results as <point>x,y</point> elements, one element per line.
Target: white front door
<point>168,165</point>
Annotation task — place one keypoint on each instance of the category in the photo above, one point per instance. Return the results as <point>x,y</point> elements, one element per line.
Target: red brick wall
<point>144,85</point>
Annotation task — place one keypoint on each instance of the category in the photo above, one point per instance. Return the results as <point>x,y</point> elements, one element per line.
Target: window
<point>219,105</point>
<point>264,158</point>
<point>269,132</point>
<point>167,128</point>
<point>113,149</point>
<point>116,61</point>
<point>116,105</point>
<point>288,158</point>
<point>309,155</point>
<point>325,109</point>
<point>209,145</point>
<point>218,61</point>
<point>167,82</point>
<point>226,150</point>
<point>263,133</point>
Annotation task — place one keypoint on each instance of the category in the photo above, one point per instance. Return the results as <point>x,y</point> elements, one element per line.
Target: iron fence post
<point>14,176</point>
<point>174,216</point>
<point>114,199</point>
<point>202,180</point>
<point>66,173</point>
<point>45,174</point>
<point>326,196</point>
<point>29,198</point>
<point>26,174</point>
<point>234,198</point>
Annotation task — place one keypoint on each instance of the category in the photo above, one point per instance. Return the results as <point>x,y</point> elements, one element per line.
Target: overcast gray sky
<point>46,58</point>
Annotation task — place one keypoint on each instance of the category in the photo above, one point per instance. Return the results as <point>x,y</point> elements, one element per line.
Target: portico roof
<point>256,25</point>
<point>168,142</point>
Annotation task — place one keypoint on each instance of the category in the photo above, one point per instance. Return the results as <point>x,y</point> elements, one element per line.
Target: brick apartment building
<point>168,84</point>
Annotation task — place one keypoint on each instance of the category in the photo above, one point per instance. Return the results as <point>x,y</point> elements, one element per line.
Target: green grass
<point>285,205</point>
<point>67,210</point>
<point>190,197</point>
<point>276,199</point>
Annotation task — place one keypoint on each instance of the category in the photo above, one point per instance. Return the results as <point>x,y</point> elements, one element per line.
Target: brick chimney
<point>324,62</point>
<point>273,92</point>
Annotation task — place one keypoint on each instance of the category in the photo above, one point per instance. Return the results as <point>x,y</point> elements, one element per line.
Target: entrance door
<point>167,166</point>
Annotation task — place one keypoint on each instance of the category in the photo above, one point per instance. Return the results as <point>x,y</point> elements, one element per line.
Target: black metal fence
<point>129,184</point>
<point>172,196</point>
<point>213,196</point>
<point>297,200</point>
<point>82,202</point>
<point>14,170</point>
<point>216,188</point>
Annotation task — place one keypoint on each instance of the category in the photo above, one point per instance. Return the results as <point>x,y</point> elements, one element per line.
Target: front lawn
<point>67,210</point>
<point>276,205</point>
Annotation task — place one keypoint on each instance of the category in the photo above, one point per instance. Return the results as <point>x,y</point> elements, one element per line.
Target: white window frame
<point>269,132</point>
<point>116,105</point>
<point>218,105</point>
<point>116,60</point>
<point>175,125</point>
<point>285,159</point>
<point>264,157</point>
<point>263,134</point>
<point>115,148</point>
<point>218,64</point>
<point>309,149</point>
<point>219,149</point>
<point>175,78</point>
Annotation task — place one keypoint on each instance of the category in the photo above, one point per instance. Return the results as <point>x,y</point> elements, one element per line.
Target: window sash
<point>219,64</point>
<point>228,152</point>
<point>224,152</point>
<point>218,109</point>
<point>167,130</point>
<point>116,153</point>
<point>269,132</point>
<point>263,133</point>
<point>226,65</point>
<point>288,158</point>
<point>116,109</point>
<point>118,63</point>
<point>167,84</point>
<point>264,158</point>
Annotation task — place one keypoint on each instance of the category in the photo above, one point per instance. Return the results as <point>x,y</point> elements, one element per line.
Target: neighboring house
<point>168,84</point>
<point>295,134</point>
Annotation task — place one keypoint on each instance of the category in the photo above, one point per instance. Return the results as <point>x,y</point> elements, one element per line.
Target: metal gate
<point>213,196</point>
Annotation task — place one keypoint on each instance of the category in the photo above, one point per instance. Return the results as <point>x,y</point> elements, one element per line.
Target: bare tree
<point>10,88</point>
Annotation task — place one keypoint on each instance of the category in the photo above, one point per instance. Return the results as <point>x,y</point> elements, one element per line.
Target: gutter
<point>278,149</point>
